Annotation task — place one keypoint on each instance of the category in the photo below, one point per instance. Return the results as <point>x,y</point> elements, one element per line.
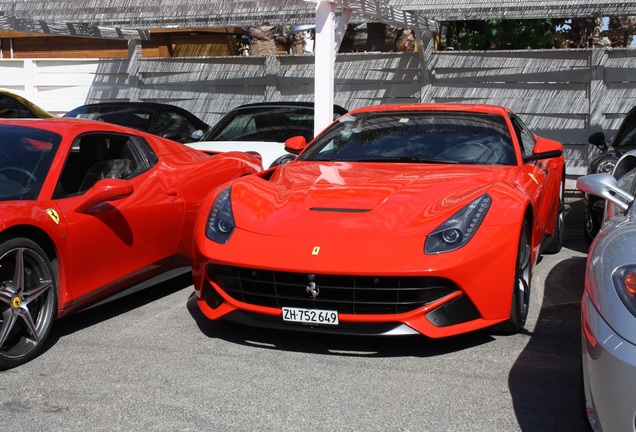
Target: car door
<point>536,180</point>
<point>112,240</point>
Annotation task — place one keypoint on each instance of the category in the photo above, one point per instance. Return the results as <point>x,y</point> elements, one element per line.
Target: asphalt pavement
<point>150,361</point>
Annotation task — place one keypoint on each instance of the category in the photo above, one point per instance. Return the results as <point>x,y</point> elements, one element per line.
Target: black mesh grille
<point>346,294</point>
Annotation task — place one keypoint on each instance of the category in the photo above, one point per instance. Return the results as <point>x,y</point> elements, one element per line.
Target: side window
<point>524,136</point>
<point>10,108</point>
<point>97,156</point>
<point>239,126</point>
<point>629,135</point>
<point>174,125</point>
<point>164,119</point>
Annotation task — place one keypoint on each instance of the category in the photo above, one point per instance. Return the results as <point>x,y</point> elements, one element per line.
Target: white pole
<point>325,60</point>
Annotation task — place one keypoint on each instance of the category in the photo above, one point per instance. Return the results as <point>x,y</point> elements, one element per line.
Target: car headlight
<point>624,279</point>
<point>221,224</point>
<point>459,229</point>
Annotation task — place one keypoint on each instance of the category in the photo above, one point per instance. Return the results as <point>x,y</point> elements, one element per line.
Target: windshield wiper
<point>409,159</point>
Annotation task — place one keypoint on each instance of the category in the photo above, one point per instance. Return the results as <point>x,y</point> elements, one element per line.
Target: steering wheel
<point>21,171</point>
<point>462,152</point>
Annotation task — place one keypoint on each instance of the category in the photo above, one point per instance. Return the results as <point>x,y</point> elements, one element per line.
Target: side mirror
<point>545,149</point>
<point>605,186</point>
<point>597,139</point>
<point>197,135</point>
<point>109,189</point>
<point>295,144</point>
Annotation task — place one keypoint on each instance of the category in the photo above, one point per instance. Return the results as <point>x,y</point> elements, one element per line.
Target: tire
<point>28,300</point>
<point>521,286</point>
<point>591,223</point>
<point>556,241</point>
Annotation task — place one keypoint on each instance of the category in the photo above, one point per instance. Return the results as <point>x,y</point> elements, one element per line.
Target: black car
<point>622,142</point>
<point>267,121</point>
<point>165,120</point>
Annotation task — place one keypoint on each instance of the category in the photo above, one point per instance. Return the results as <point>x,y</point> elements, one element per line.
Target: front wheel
<point>28,300</point>
<point>592,215</point>
<point>556,241</point>
<point>521,287</point>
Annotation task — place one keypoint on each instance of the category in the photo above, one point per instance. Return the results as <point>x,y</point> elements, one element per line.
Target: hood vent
<point>339,210</point>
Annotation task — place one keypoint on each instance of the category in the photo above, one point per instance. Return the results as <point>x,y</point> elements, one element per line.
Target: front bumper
<point>609,373</point>
<point>476,288</point>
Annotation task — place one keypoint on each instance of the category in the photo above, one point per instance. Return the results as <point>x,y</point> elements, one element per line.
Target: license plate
<point>310,316</point>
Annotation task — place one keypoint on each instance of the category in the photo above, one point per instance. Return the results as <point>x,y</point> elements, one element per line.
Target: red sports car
<point>88,209</point>
<point>397,219</point>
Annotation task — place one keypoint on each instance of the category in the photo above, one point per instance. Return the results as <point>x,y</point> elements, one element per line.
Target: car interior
<point>98,156</point>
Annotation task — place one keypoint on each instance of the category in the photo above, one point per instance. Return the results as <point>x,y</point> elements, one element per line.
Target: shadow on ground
<point>330,344</point>
<point>545,381</point>
<point>124,302</point>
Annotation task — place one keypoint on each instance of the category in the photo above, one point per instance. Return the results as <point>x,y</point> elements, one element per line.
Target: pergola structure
<point>132,19</point>
<point>330,29</point>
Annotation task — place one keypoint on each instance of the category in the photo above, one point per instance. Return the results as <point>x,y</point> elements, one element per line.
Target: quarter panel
<point>612,248</point>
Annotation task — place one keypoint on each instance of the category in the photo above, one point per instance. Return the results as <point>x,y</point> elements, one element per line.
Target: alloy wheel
<point>27,301</point>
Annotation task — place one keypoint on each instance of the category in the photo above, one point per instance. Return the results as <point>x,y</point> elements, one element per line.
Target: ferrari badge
<point>315,251</point>
<point>54,215</point>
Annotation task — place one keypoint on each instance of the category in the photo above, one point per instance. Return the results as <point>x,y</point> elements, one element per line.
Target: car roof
<point>129,103</point>
<point>455,107</point>
<point>336,108</point>
<point>156,105</point>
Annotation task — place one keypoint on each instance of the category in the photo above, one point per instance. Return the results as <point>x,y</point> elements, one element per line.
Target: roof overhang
<point>131,19</point>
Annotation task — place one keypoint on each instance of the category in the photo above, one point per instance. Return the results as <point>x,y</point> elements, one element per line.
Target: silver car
<point>608,307</point>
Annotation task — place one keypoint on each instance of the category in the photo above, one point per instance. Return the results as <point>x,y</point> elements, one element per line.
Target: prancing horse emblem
<point>312,290</point>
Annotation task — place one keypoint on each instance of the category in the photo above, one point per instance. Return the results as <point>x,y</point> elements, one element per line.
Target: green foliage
<point>503,34</point>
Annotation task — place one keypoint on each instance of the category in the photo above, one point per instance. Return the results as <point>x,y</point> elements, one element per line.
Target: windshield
<point>416,136</point>
<point>264,123</point>
<point>26,155</point>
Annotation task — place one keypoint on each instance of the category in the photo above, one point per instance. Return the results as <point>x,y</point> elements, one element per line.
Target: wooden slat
<point>68,47</point>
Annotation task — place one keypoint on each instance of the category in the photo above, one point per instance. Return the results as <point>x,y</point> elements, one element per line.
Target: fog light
<point>211,297</point>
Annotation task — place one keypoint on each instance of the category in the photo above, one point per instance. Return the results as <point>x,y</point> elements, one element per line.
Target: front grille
<point>346,294</point>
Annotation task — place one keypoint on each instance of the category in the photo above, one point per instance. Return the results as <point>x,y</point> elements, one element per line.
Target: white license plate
<point>310,316</point>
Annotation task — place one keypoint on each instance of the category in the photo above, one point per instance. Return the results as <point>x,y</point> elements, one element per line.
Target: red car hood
<point>311,199</point>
